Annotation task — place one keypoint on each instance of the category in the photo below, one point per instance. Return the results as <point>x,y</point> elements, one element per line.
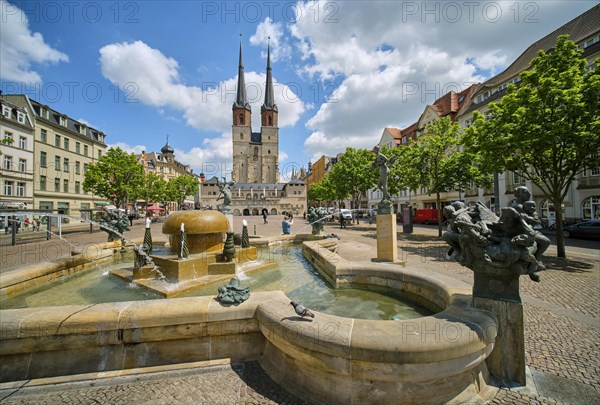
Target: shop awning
<point>100,203</point>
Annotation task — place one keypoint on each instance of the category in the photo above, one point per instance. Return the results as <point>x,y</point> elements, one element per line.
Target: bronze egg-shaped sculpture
<point>204,230</point>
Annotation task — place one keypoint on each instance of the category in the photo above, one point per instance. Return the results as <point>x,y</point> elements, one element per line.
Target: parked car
<point>425,216</point>
<point>586,229</point>
<point>346,213</point>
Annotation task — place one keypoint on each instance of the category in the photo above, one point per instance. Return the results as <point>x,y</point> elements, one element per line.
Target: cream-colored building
<point>583,199</point>
<point>62,150</point>
<point>16,156</point>
<point>166,167</point>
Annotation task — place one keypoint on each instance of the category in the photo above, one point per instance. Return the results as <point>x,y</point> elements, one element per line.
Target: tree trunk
<point>438,205</point>
<point>560,237</point>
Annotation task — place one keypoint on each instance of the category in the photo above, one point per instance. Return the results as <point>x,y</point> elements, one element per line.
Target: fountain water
<point>197,255</point>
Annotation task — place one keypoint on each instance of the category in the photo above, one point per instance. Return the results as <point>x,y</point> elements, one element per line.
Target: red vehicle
<point>425,216</point>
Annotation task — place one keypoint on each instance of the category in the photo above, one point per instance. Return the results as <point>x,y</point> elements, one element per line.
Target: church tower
<point>255,154</point>
<point>269,130</point>
<point>241,129</point>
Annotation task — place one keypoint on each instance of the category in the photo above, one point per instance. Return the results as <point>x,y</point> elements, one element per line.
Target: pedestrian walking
<point>342,221</point>
<point>265,217</point>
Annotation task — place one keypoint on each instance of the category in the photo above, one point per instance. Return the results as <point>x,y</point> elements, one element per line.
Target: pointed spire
<point>241,101</point>
<point>269,103</point>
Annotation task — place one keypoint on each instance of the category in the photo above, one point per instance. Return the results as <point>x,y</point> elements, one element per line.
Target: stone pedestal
<point>506,363</point>
<point>387,241</point>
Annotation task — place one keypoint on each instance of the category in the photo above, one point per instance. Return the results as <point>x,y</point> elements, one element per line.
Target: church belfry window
<point>241,135</point>
<point>270,119</point>
<point>242,119</point>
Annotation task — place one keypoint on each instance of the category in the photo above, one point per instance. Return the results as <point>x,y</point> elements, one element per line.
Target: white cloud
<point>384,61</point>
<point>282,156</point>
<point>20,48</point>
<point>280,49</point>
<point>137,149</point>
<point>156,80</point>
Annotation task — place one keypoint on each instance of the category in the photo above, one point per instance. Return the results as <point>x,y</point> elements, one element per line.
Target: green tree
<point>437,162</point>
<point>546,130</point>
<point>154,189</point>
<point>180,187</point>
<point>116,176</point>
<point>353,175</point>
<point>317,192</point>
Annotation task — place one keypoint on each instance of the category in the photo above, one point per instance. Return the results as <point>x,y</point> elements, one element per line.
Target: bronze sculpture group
<point>500,247</point>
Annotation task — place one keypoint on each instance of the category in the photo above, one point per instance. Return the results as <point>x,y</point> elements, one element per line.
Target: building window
<point>21,117</point>
<point>22,142</point>
<point>77,147</point>
<point>590,208</point>
<point>56,162</point>
<point>43,159</point>
<point>57,141</point>
<point>6,111</point>
<point>8,137</point>
<point>517,179</point>
<point>8,187</point>
<point>77,168</point>
<point>43,135</point>
<point>7,163</point>
<point>99,154</point>
<point>57,185</point>
<point>66,143</point>
<point>42,183</point>
<point>20,189</point>
<point>65,186</point>
<point>65,165</point>
<point>85,150</point>
<point>22,165</point>
<point>242,121</point>
<point>270,119</point>
<point>77,187</point>
<point>85,168</point>
<point>63,121</point>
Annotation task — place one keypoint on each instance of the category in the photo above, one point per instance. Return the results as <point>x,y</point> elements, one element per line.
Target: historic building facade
<point>165,166</point>
<point>62,150</point>
<point>255,174</point>
<point>16,156</point>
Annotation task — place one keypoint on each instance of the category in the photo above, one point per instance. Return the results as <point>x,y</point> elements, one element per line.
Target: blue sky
<point>141,70</point>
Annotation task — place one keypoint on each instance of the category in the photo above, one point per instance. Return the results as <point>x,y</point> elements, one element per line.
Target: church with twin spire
<point>257,185</point>
<point>255,154</point>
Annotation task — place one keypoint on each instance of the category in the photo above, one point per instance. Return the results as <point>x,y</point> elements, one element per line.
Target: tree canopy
<point>353,174</point>
<point>437,162</point>
<point>180,187</point>
<point>116,176</point>
<point>548,128</point>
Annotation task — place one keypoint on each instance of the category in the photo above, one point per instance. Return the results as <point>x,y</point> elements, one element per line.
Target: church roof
<point>269,103</point>
<point>241,101</point>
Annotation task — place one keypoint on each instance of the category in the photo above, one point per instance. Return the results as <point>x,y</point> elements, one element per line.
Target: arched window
<point>241,136</point>
<point>256,153</point>
<point>269,151</point>
<point>270,119</point>
<point>590,208</point>
<point>242,121</point>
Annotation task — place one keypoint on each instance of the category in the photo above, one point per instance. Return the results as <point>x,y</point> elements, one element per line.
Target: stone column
<point>501,297</point>
<point>387,240</point>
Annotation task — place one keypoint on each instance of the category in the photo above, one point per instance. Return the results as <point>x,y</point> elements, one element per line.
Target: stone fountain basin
<point>327,360</point>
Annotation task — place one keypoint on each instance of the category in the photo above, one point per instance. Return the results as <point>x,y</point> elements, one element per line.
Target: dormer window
<point>20,117</point>
<point>82,129</point>
<point>63,121</point>
<point>6,111</point>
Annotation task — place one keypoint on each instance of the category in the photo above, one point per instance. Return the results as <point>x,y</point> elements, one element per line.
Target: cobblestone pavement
<point>244,383</point>
<point>562,327</point>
